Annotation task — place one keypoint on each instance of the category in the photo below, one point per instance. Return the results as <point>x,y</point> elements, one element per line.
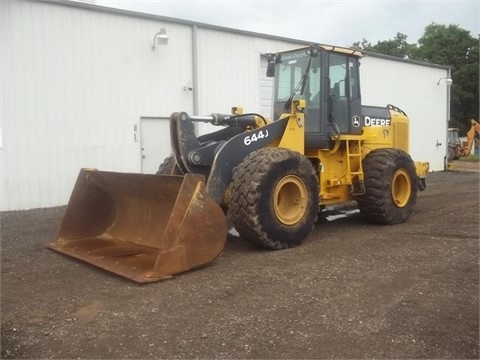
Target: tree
<point>398,46</point>
<point>362,45</point>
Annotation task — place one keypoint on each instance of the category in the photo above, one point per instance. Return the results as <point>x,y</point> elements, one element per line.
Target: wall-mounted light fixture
<point>448,81</point>
<point>160,38</point>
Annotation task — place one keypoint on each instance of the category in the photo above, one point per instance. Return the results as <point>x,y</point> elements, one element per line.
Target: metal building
<point>87,86</point>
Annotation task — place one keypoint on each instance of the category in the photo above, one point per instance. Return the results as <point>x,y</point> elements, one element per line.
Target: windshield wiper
<point>301,84</point>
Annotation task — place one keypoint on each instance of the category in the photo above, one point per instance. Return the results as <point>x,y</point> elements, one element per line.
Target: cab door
<point>344,101</point>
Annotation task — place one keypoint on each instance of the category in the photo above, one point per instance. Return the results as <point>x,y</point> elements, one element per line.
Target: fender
<point>195,155</point>
<point>233,151</point>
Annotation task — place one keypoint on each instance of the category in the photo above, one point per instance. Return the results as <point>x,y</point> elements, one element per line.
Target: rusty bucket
<point>143,227</point>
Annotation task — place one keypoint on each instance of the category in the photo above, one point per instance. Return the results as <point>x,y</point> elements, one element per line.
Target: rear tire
<point>451,154</point>
<point>390,186</point>
<point>168,167</point>
<point>274,200</point>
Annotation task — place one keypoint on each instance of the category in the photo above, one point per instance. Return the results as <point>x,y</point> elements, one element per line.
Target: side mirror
<point>271,69</point>
<point>273,59</point>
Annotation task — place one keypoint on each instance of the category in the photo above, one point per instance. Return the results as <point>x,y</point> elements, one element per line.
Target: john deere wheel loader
<point>272,177</point>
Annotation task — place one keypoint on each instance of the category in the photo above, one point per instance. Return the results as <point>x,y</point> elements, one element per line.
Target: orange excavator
<point>457,148</point>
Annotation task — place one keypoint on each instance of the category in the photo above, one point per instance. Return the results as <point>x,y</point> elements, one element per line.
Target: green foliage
<point>443,45</point>
<point>470,158</point>
<point>398,46</point>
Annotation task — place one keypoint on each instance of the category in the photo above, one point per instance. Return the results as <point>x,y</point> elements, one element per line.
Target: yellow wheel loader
<point>271,177</point>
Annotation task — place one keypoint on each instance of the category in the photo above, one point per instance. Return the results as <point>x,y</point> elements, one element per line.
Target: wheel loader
<point>270,178</point>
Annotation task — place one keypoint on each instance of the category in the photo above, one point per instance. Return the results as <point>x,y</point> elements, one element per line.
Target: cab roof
<point>331,48</point>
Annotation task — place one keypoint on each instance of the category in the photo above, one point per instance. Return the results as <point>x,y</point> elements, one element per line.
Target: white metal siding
<point>74,84</point>
<point>228,76</point>
<point>413,88</point>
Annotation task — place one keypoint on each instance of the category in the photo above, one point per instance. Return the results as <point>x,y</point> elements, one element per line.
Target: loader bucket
<point>143,227</point>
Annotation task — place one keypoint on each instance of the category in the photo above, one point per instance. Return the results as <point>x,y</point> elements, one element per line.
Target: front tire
<point>274,200</point>
<point>168,167</point>
<point>450,154</point>
<point>390,186</point>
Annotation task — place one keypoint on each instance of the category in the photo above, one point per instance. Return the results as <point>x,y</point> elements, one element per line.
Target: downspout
<point>195,69</point>
<point>449,85</point>
<point>449,76</point>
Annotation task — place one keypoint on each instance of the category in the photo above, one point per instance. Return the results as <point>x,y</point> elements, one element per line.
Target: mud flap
<point>143,227</point>
<point>421,168</point>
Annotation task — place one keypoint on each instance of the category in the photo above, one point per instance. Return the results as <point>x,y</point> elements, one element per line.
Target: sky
<point>341,22</point>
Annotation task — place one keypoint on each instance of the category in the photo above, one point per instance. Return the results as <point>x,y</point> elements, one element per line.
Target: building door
<point>154,142</point>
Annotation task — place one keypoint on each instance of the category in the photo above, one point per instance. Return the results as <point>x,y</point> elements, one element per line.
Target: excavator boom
<point>474,129</point>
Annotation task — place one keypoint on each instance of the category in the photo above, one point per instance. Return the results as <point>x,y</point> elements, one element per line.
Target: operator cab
<point>328,79</point>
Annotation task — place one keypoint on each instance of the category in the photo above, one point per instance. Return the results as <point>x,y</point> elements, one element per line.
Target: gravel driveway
<point>351,290</point>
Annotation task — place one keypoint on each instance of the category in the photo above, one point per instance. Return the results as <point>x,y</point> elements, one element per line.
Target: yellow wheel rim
<point>290,200</point>
<point>401,188</point>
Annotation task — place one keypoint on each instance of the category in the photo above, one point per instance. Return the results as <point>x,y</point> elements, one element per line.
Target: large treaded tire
<point>167,167</point>
<point>274,201</point>
<point>390,186</point>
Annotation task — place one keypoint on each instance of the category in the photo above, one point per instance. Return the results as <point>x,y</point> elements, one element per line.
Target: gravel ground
<point>351,290</point>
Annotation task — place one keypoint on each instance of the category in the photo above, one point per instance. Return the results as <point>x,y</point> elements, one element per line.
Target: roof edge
<point>409,61</point>
<point>111,10</point>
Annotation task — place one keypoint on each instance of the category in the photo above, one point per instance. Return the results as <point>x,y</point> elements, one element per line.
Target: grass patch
<point>470,158</point>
